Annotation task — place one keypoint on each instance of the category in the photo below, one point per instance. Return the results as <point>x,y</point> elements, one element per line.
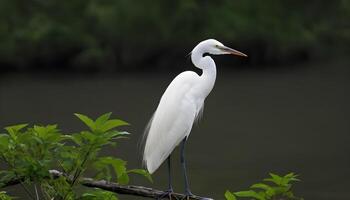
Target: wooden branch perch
<point>114,187</point>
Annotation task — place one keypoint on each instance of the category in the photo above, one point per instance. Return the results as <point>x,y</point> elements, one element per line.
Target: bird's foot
<point>168,194</point>
<point>188,195</point>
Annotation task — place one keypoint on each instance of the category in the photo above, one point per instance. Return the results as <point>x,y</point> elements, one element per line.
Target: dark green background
<point>127,34</point>
<point>284,108</point>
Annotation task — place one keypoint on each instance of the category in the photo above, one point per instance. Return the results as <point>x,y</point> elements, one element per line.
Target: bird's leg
<point>169,191</point>
<point>170,187</point>
<point>183,163</point>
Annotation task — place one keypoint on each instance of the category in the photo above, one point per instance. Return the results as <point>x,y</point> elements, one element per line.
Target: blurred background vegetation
<point>285,108</point>
<point>119,35</point>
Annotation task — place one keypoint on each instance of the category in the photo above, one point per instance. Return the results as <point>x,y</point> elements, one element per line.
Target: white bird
<point>180,105</point>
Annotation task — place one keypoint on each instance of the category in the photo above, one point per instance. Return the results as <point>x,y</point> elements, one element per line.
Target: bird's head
<point>215,47</point>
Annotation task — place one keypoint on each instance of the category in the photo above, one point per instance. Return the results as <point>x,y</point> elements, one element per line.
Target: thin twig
<point>36,192</point>
<point>26,189</point>
<point>78,172</point>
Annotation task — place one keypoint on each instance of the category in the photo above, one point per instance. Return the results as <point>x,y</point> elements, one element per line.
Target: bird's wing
<point>172,121</point>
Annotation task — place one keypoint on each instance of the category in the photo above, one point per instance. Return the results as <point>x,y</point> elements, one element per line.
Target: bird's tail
<point>142,142</point>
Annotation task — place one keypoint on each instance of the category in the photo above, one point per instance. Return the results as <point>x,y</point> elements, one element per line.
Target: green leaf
<point>280,190</point>
<point>260,186</point>
<point>118,165</point>
<point>102,119</point>
<point>123,179</point>
<point>76,138</point>
<point>88,136</point>
<point>98,194</point>
<point>115,134</point>
<point>87,121</point>
<point>249,193</point>
<point>45,132</point>
<point>290,177</point>
<point>4,196</point>
<point>295,179</point>
<point>277,178</point>
<point>143,173</point>
<point>4,141</point>
<point>270,192</point>
<point>12,130</point>
<point>88,196</point>
<point>263,195</point>
<point>37,139</point>
<point>16,128</point>
<point>229,195</point>
<point>274,178</point>
<point>110,124</point>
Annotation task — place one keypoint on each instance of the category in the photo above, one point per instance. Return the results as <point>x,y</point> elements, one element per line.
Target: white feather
<point>172,121</point>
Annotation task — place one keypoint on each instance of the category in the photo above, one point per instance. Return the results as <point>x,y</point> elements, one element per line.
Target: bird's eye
<point>216,45</point>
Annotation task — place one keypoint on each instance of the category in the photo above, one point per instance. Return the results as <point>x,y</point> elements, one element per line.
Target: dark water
<point>254,122</point>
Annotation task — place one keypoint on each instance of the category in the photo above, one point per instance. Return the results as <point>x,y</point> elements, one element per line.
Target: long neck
<point>207,64</point>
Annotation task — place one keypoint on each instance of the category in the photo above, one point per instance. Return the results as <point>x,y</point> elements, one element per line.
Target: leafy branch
<point>114,187</point>
<point>281,189</point>
<point>30,153</point>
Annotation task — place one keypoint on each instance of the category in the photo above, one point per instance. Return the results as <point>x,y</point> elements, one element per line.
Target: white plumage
<point>180,104</point>
<point>172,120</point>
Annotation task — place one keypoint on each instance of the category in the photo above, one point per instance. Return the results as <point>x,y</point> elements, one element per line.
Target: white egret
<point>180,105</point>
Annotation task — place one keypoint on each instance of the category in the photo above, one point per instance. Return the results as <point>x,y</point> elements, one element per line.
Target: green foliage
<point>4,196</point>
<point>30,152</point>
<point>281,189</point>
<point>141,172</point>
<point>229,196</point>
<point>107,33</point>
<point>98,194</point>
